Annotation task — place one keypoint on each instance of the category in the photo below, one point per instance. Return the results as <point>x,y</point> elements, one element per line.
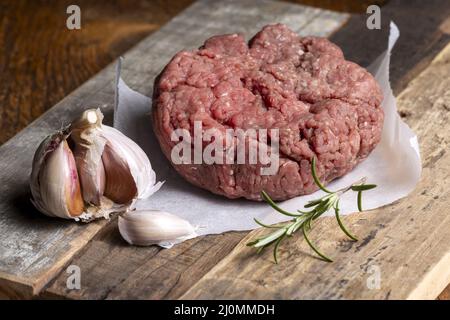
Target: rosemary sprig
<point>303,219</point>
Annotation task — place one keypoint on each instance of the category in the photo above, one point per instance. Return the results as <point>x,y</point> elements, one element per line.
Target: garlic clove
<point>73,198</point>
<point>93,178</point>
<point>89,146</point>
<point>106,173</point>
<point>89,121</point>
<point>120,186</point>
<point>55,185</point>
<point>147,227</point>
<point>138,162</point>
<point>128,172</point>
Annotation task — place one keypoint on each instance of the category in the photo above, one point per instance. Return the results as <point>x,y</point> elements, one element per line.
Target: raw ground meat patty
<point>323,106</point>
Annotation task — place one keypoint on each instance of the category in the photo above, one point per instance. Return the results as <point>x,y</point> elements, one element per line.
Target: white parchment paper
<point>394,165</point>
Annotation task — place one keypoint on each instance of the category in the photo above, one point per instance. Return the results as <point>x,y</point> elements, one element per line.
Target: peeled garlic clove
<point>147,227</point>
<point>54,180</point>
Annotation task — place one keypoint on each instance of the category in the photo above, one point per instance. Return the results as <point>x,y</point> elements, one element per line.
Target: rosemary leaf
<point>363,187</point>
<point>305,212</point>
<point>360,201</point>
<point>312,203</point>
<point>266,197</point>
<point>304,219</point>
<point>275,249</point>
<point>293,227</point>
<point>252,243</point>
<point>266,225</point>
<point>324,257</point>
<point>341,225</point>
<point>270,238</point>
<point>315,177</point>
<point>322,208</point>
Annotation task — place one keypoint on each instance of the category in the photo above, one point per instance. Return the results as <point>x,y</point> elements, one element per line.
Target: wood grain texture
<point>32,247</point>
<point>423,34</point>
<point>170,274</point>
<point>244,275</point>
<point>41,61</point>
<point>112,269</point>
<point>36,70</point>
<point>408,241</point>
<point>445,295</point>
<point>150,273</point>
<point>358,6</point>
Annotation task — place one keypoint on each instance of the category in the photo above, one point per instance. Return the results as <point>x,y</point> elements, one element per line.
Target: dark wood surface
<point>34,248</point>
<point>406,241</point>
<point>41,62</point>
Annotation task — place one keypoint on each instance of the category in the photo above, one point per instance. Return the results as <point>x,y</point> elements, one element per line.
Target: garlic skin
<point>100,148</point>
<point>138,162</point>
<point>148,227</point>
<point>55,185</point>
<point>106,173</point>
<point>121,187</point>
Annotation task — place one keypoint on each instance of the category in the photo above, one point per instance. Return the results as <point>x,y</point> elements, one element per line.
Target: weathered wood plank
<point>143,64</point>
<point>112,269</point>
<point>407,242</point>
<point>424,32</point>
<point>33,248</point>
<point>370,226</point>
<point>39,68</point>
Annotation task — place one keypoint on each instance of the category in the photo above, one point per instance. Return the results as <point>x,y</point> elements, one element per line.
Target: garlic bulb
<point>147,227</point>
<point>90,170</point>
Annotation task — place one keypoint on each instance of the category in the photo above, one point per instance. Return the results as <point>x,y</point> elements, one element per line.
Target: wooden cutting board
<point>407,242</point>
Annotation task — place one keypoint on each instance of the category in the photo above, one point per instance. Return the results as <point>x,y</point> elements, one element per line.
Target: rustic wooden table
<point>41,62</point>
